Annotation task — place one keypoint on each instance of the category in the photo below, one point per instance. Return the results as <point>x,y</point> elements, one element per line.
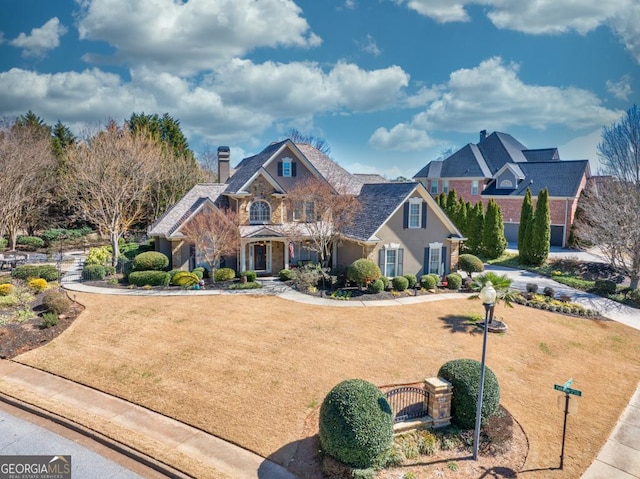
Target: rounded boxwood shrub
<point>94,272</point>
<point>470,264</point>
<point>150,261</point>
<point>435,276</point>
<point>224,274</point>
<point>184,279</point>
<point>356,424</point>
<point>549,292</point>
<point>149,278</point>
<point>363,271</point>
<point>56,301</point>
<point>30,242</point>
<point>464,376</point>
<point>385,281</point>
<point>400,283</point>
<point>412,280</point>
<point>376,287</point>
<point>454,281</point>
<point>427,281</point>
<point>30,271</point>
<point>251,276</point>
<point>199,272</point>
<point>532,288</point>
<point>605,286</point>
<point>287,275</point>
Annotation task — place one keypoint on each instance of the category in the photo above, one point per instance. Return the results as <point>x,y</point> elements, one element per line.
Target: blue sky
<point>390,84</point>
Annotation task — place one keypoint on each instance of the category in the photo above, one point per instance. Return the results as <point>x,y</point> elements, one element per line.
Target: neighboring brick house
<point>502,168</point>
<point>400,226</point>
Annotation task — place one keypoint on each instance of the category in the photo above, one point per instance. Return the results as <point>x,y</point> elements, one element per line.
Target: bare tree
<point>215,234</point>
<point>320,215</point>
<point>27,164</point>
<point>110,176</point>
<point>208,162</point>
<point>318,143</point>
<point>610,208</point>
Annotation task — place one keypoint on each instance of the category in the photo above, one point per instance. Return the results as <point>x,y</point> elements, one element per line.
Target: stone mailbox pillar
<point>439,407</point>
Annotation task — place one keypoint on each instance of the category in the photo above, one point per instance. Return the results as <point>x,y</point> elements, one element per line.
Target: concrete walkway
<point>619,458</point>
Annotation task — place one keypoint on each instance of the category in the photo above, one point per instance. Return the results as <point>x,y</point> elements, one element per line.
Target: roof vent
<point>483,134</point>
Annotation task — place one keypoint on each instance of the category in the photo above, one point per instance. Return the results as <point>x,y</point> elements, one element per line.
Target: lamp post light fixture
<point>488,297</point>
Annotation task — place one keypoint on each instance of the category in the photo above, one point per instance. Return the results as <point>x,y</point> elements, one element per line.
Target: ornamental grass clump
<point>356,424</point>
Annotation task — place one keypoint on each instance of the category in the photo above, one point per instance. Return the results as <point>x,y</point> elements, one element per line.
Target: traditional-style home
<point>502,168</point>
<point>399,225</point>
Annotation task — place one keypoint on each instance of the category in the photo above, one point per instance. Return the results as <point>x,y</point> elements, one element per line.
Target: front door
<point>260,257</point>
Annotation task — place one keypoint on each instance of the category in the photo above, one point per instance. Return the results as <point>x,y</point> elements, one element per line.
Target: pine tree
<point>442,201</point>
<point>541,237</point>
<point>526,221</point>
<point>493,241</point>
<point>450,206</point>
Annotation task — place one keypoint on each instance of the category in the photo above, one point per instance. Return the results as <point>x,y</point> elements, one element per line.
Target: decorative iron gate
<point>408,402</point>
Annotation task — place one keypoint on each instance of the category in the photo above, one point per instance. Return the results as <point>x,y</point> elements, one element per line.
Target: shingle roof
<point>175,216</point>
<point>339,178</point>
<point>370,178</point>
<point>561,178</point>
<point>378,201</point>
<point>500,148</point>
<point>544,154</point>
<point>250,166</point>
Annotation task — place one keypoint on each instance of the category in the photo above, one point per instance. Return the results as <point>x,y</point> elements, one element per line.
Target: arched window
<point>506,184</point>
<point>260,212</point>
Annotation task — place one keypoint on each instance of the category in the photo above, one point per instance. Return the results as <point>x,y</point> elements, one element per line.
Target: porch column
<point>286,255</point>
<point>243,253</point>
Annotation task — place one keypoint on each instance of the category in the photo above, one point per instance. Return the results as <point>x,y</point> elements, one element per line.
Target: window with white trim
<point>286,167</point>
<point>474,187</point>
<point>260,212</point>
<point>434,187</point>
<point>415,213</point>
<point>391,262</point>
<point>435,258</point>
<point>445,186</point>
<point>506,184</point>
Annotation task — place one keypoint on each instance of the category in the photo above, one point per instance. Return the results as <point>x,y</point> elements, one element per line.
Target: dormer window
<point>506,184</point>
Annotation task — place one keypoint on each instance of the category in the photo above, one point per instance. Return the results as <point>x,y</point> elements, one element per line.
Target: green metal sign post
<point>568,392</point>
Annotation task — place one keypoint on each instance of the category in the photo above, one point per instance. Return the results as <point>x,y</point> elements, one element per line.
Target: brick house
<point>399,226</point>
<point>502,168</point>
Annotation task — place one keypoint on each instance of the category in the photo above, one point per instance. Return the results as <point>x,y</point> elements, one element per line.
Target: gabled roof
<point>500,148</point>
<point>191,202</point>
<point>370,178</point>
<point>249,167</point>
<point>544,154</point>
<point>561,178</point>
<point>340,179</point>
<point>377,202</point>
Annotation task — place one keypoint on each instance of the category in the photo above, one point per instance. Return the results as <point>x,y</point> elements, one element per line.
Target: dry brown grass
<point>251,368</point>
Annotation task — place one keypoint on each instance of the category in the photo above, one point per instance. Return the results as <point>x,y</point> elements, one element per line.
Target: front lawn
<point>252,369</point>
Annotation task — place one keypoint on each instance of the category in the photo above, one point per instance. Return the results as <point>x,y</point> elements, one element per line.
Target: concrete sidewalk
<point>204,452</point>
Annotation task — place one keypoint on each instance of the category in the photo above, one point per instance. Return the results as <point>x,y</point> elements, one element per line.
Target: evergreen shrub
<point>376,287</point>
<point>184,279</point>
<point>56,301</point>
<point>400,283</point>
<point>224,274</point>
<point>30,242</point>
<point>605,286</point>
<point>427,281</point>
<point>385,282</point>
<point>470,264</point>
<point>149,278</point>
<point>412,280</point>
<point>454,281</point>
<point>464,376</point>
<point>30,271</point>
<point>6,289</point>
<point>37,285</point>
<point>251,276</point>
<point>150,261</point>
<point>287,275</point>
<point>94,272</point>
<point>356,424</point>
<point>363,271</point>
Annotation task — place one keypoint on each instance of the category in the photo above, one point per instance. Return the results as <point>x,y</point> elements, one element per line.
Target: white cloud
<point>187,37</point>
<point>234,104</point>
<point>621,89</point>
<point>350,4</point>
<point>493,94</point>
<point>402,137</point>
<point>369,45</point>
<point>41,40</point>
<point>583,148</point>
<point>544,16</point>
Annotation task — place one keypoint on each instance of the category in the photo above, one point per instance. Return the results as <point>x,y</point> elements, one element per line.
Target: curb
<point>116,446</point>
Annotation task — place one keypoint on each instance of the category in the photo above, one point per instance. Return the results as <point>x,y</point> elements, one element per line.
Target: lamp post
<point>488,297</point>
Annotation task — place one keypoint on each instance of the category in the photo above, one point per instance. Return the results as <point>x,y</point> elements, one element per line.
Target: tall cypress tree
<point>526,221</point>
<point>493,241</point>
<point>476,226</point>
<point>450,207</point>
<point>541,237</point>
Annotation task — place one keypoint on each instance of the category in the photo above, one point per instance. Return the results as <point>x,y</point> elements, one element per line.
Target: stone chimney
<point>223,164</point>
<point>483,134</point>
